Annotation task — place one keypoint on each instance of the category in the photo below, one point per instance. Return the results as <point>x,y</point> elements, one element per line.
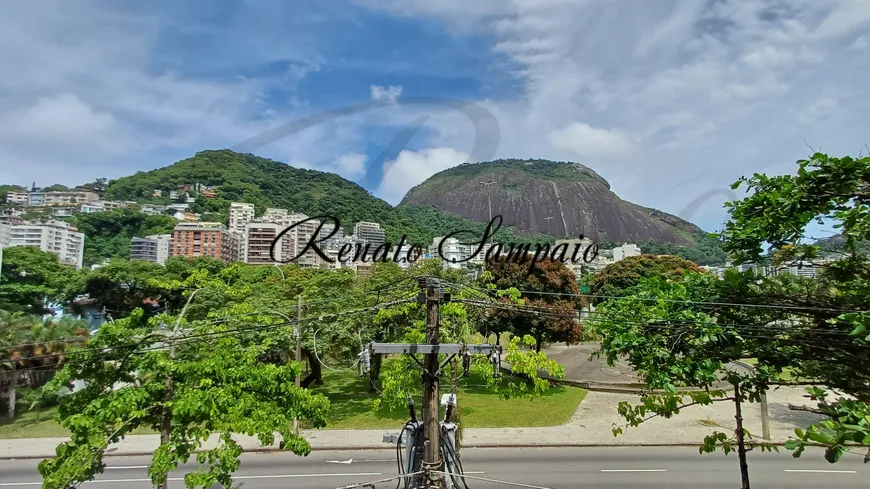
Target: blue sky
<point>668,100</point>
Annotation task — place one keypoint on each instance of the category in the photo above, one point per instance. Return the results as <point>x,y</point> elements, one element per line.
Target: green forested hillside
<point>108,234</point>
<point>268,183</point>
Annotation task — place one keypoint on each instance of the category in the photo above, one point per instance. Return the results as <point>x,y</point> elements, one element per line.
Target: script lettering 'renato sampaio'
<point>519,253</point>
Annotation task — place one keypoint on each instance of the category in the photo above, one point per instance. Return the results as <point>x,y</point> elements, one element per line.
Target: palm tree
<point>13,331</point>
<point>35,348</point>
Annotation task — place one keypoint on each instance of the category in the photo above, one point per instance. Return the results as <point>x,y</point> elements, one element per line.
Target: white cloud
<point>301,164</point>
<point>386,94</point>
<point>412,167</point>
<point>686,91</point>
<point>351,165</point>
<point>63,117</point>
<point>703,91</point>
<point>591,144</point>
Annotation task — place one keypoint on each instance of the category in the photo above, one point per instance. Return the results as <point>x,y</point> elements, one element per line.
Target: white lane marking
<point>276,476</point>
<point>633,470</point>
<point>348,461</point>
<point>822,471</point>
<point>127,467</point>
<point>470,472</point>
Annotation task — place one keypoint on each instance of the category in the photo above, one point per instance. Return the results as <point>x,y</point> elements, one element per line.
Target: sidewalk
<point>590,426</point>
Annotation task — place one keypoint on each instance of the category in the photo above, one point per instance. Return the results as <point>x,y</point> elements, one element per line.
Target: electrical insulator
<point>367,361</point>
<point>466,363</point>
<point>496,364</point>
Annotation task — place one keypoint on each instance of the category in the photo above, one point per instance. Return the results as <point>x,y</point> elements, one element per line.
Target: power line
<point>681,301</point>
<point>214,333</point>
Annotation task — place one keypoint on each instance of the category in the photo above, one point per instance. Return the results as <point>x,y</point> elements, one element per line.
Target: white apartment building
<point>151,209</point>
<point>274,215</point>
<point>17,197</point>
<point>155,248</point>
<point>295,240</point>
<point>240,215</point>
<point>53,236</point>
<point>625,251</point>
<point>452,253</point>
<point>405,256</point>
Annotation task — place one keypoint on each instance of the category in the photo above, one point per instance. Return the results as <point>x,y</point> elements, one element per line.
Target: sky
<point>670,101</point>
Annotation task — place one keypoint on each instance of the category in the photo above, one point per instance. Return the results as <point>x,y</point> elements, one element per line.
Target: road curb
<point>387,446</point>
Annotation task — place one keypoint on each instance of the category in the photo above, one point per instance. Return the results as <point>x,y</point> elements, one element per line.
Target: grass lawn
<point>38,424</point>
<point>352,407</point>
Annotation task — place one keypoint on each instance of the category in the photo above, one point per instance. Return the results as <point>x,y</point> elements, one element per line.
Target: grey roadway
<point>555,468</point>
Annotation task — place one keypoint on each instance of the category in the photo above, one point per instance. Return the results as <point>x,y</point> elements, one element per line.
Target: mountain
<point>529,193</point>
<point>236,177</point>
<point>267,183</point>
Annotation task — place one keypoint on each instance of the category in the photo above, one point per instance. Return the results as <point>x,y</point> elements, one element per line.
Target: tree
<point>32,278</point>
<point>214,384</point>
<point>32,349</point>
<point>618,277</point>
<point>124,285</point>
<point>825,315</point>
<point>548,286</point>
<point>108,234</point>
<point>659,328</point>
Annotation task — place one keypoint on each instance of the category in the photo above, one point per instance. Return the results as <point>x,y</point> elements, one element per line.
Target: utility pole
<point>432,446</point>
<point>166,422</point>
<point>298,355</point>
<point>548,224</point>
<point>765,417</point>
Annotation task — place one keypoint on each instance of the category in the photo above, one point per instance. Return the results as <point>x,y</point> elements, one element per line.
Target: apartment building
<point>371,232</point>
<point>17,197</point>
<point>240,215</point>
<point>258,239</point>
<point>194,239</point>
<point>625,251</point>
<point>151,209</point>
<point>154,248</point>
<point>53,236</point>
<point>452,253</point>
<point>68,198</point>
<point>274,215</point>
<point>295,240</point>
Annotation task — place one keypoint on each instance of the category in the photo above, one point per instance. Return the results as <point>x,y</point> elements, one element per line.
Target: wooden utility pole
<point>741,445</point>
<point>298,355</point>
<point>432,447</point>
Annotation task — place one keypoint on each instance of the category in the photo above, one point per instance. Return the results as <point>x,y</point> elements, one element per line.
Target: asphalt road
<point>553,468</point>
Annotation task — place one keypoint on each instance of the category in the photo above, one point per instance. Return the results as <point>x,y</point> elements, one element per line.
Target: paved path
<point>590,425</point>
<point>544,468</point>
<point>580,367</point>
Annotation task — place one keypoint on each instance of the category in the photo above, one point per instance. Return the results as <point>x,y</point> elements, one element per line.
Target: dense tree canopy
<point>615,279</point>
<point>541,287</point>
<point>32,279</point>
<point>108,234</point>
<point>827,316</point>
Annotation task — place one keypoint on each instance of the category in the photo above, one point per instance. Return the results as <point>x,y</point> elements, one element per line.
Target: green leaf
<point>834,453</point>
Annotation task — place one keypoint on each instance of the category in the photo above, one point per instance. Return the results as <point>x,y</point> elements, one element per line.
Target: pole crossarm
<point>442,348</point>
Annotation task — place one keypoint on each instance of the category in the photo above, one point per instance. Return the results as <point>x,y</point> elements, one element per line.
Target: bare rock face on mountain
<point>541,196</point>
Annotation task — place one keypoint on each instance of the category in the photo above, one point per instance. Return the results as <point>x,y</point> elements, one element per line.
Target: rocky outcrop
<point>540,196</point>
